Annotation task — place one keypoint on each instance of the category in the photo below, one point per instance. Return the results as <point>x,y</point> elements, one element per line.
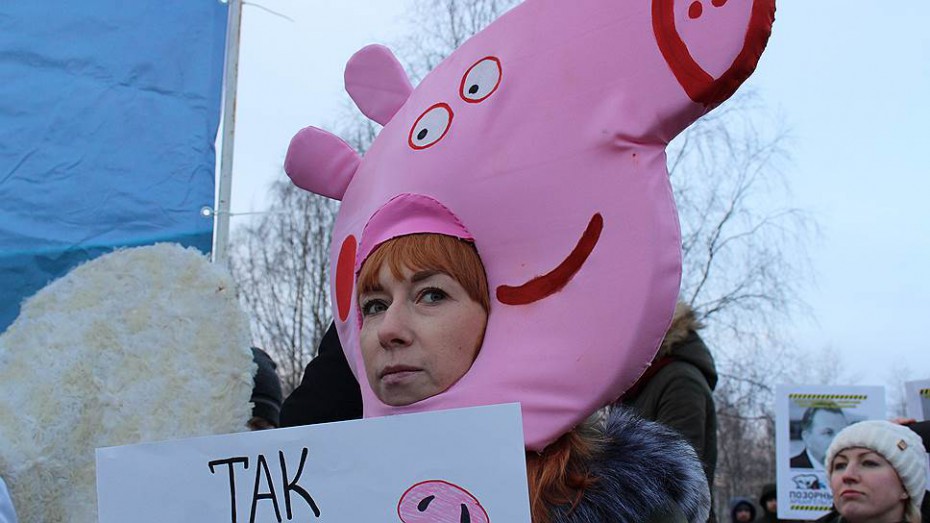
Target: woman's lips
<point>850,494</point>
<point>548,284</point>
<point>397,374</point>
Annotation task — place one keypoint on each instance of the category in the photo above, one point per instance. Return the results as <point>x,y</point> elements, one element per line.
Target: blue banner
<point>108,115</point>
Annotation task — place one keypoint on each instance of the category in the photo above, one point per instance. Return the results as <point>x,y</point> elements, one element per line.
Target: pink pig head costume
<point>542,139</point>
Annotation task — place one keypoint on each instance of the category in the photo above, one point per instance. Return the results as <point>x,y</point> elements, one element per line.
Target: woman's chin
<point>401,389</point>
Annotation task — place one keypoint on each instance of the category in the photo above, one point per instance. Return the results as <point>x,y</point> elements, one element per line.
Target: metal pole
<point>221,211</point>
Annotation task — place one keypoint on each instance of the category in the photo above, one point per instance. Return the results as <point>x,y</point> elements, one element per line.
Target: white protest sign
<point>918,406</point>
<point>806,420</point>
<point>455,465</point>
<point>918,399</point>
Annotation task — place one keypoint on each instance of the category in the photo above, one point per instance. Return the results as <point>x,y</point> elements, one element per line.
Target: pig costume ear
<point>377,83</point>
<point>321,162</point>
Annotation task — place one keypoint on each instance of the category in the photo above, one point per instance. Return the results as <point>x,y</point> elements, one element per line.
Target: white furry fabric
<point>142,344</point>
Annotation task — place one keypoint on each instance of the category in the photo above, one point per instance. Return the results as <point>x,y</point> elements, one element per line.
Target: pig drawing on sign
<point>438,501</point>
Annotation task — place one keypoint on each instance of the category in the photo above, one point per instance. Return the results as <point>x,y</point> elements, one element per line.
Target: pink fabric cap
<point>408,214</point>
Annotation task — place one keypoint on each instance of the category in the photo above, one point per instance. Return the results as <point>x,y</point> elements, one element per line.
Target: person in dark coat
<point>328,390</point>
<point>266,393</point>
<point>768,500</point>
<point>677,389</point>
<point>742,510</point>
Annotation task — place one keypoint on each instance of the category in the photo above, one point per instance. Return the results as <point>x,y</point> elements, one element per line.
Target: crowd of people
<point>877,473</point>
<point>676,391</point>
<point>876,469</point>
<point>424,306</point>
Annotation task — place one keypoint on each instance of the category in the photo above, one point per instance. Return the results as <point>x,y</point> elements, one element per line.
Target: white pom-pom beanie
<point>898,444</point>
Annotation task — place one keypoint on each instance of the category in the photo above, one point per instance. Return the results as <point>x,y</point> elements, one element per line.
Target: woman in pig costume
<point>540,144</point>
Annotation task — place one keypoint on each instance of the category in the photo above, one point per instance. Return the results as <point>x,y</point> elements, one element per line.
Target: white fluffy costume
<point>142,344</point>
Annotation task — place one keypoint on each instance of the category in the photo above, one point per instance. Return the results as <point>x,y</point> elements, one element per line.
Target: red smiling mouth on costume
<point>548,284</point>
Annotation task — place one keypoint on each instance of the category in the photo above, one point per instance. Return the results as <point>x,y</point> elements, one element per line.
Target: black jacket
<point>328,390</point>
<point>801,461</point>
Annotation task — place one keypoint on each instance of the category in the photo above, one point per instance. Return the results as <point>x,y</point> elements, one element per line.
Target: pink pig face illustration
<point>542,139</point>
<point>438,501</point>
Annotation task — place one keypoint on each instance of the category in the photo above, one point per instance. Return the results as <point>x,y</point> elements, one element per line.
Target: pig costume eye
<point>431,126</point>
<point>481,80</point>
<point>478,83</point>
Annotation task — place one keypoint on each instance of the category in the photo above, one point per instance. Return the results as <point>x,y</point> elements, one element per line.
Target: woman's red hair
<point>558,476</point>
<point>417,252</point>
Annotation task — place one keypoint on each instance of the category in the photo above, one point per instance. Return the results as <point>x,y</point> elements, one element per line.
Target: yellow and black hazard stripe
<point>811,508</point>
<point>829,397</point>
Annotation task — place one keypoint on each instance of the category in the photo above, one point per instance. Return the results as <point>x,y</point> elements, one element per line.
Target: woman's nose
<point>850,474</point>
<point>394,330</point>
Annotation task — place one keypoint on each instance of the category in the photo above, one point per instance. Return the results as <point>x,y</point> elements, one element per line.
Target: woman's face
<point>419,335</point>
<point>866,487</point>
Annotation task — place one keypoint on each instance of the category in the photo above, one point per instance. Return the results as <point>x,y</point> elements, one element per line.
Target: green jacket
<point>677,390</point>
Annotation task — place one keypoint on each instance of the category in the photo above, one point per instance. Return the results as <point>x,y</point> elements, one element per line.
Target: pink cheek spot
<point>345,277</point>
<point>696,10</point>
<point>440,501</point>
<point>718,3</point>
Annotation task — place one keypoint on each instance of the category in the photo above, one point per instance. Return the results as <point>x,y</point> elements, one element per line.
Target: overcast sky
<point>849,78</point>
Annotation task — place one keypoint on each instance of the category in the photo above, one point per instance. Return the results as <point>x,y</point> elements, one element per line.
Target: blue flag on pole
<point>108,114</point>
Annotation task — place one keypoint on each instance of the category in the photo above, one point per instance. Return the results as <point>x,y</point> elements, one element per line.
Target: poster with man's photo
<point>918,399</point>
<point>807,418</point>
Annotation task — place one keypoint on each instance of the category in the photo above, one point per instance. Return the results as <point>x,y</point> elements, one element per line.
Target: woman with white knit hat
<point>877,472</point>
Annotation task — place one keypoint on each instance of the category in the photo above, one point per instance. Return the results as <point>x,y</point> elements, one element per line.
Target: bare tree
<point>281,264</point>
<point>743,249</point>
<point>743,264</point>
<point>896,379</point>
<point>442,26</point>
<point>745,443</point>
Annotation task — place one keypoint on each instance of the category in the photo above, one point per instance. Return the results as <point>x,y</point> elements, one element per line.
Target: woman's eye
<point>839,466</point>
<point>431,126</point>
<point>481,80</point>
<point>432,296</point>
<point>869,463</point>
<point>372,307</point>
